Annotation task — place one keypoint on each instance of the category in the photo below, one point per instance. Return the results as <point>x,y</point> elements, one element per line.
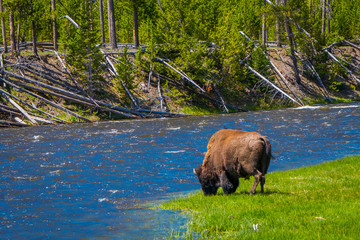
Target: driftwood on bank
<point>14,112</point>
<point>45,100</point>
<point>8,96</point>
<point>74,98</point>
<point>12,124</point>
<point>34,116</point>
<point>63,93</point>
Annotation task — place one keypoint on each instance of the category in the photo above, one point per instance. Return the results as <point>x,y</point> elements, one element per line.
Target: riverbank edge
<point>178,104</point>
<point>314,202</point>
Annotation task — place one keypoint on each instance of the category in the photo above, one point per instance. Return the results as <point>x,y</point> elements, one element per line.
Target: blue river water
<point>92,181</point>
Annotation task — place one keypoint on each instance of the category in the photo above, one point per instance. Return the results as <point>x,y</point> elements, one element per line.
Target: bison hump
<point>226,142</point>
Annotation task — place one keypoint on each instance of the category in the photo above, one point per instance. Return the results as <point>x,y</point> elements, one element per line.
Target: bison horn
<point>194,171</point>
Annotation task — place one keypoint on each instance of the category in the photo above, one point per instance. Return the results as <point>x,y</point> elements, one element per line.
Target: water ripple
<point>92,180</point>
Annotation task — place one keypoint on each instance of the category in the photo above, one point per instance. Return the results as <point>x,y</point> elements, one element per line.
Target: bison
<point>234,154</point>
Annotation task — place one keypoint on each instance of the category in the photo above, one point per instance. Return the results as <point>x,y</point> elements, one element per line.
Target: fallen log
<point>181,74</point>
<point>47,101</point>
<point>35,108</point>
<point>15,124</point>
<point>221,99</point>
<point>74,81</point>
<point>126,111</point>
<point>162,114</point>
<point>308,64</point>
<point>287,84</point>
<point>1,61</point>
<point>49,78</point>
<point>86,102</point>
<point>204,95</point>
<point>341,65</point>
<point>276,70</point>
<point>271,84</point>
<point>351,44</point>
<point>38,118</point>
<point>8,96</point>
<point>115,73</point>
<point>350,64</point>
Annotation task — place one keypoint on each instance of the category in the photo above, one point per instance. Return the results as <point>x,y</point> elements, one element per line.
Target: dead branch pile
<point>34,92</point>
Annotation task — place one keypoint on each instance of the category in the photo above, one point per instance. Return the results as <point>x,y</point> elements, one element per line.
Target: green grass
<point>316,202</point>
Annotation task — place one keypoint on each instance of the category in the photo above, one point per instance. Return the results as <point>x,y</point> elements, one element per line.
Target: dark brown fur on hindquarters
<point>231,155</point>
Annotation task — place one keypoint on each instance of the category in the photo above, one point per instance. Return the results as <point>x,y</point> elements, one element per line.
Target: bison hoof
<point>252,193</point>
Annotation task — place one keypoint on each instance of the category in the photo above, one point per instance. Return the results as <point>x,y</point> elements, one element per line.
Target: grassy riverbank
<point>316,202</point>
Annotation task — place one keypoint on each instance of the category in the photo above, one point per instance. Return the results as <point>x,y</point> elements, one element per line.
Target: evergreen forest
<point>101,59</point>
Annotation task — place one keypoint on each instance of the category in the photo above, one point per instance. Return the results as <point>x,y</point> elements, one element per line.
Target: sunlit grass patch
<point>316,202</point>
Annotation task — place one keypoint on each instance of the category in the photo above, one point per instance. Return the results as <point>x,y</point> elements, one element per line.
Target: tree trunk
<point>323,16</point>
<point>111,20</point>
<point>3,31</point>
<point>159,3</point>
<point>33,31</point>
<point>278,31</point>
<point>12,33</point>
<point>55,37</point>
<point>292,46</point>
<point>18,38</point>
<point>91,15</point>
<point>135,25</point>
<point>328,16</point>
<point>101,10</point>
<point>264,37</point>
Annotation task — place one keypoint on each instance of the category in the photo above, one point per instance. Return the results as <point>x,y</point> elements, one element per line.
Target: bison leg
<point>262,183</point>
<point>228,183</point>
<point>258,177</point>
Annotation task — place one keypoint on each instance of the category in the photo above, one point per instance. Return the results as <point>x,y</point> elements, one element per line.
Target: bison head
<point>208,180</point>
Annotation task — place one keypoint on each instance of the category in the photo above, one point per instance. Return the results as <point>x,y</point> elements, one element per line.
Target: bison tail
<point>266,154</point>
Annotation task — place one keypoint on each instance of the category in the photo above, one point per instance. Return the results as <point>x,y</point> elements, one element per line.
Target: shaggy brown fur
<point>231,155</point>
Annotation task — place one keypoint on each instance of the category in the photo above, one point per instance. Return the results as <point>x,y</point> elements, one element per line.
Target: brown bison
<point>233,154</point>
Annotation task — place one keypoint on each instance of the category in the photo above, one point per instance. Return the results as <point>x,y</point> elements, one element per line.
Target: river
<point>91,181</point>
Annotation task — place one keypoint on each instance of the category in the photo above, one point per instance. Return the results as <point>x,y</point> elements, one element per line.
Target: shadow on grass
<point>269,192</point>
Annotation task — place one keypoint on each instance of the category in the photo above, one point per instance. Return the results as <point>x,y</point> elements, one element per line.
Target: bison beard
<point>231,155</point>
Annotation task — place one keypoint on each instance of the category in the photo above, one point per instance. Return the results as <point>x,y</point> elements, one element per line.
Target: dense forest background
<point>175,22</point>
<point>214,45</point>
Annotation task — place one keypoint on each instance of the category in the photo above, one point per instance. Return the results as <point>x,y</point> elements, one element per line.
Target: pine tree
<point>3,27</point>
<point>83,52</point>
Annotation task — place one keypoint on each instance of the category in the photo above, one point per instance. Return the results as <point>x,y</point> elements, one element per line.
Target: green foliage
<point>202,20</point>
<point>317,202</point>
<point>125,78</point>
<point>83,52</point>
